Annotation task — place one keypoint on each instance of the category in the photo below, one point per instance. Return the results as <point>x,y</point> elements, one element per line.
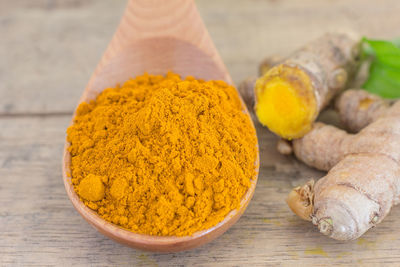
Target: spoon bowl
<point>156,55</point>
<point>156,36</point>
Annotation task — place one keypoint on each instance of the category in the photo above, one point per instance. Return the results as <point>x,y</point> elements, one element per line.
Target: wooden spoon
<point>156,36</point>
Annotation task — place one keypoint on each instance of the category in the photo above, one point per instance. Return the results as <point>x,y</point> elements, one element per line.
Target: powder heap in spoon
<point>161,155</point>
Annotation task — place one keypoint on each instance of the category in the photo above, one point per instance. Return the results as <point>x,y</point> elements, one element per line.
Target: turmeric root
<point>301,200</point>
<point>268,63</point>
<point>363,181</point>
<point>284,147</point>
<point>247,86</point>
<point>357,108</point>
<point>289,96</point>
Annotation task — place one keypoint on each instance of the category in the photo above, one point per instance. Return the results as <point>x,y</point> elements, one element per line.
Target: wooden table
<point>48,49</point>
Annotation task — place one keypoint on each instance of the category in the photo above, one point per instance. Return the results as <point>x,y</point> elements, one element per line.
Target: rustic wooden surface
<point>48,50</point>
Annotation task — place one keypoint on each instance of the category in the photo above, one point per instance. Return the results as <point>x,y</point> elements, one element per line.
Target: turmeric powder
<point>163,156</point>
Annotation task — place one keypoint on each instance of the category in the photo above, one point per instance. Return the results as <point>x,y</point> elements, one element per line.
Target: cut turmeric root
<point>290,95</point>
<point>363,181</point>
<point>286,101</point>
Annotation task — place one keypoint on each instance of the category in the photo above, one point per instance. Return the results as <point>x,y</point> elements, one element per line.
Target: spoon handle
<point>175,19</point>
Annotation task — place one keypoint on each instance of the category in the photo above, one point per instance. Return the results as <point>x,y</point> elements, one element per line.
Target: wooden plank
<point>50,48</point>
<point>39,226</point>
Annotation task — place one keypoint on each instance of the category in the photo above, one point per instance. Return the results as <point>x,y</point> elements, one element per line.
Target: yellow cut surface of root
<point>290,94</point>
<point>285,101</point>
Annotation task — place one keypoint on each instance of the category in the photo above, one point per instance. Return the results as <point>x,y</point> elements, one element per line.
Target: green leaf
<point>386,52</point>
<point>383,81</point>
<point>397,42</point>
<point>367,50</point>
<point>384,72</point>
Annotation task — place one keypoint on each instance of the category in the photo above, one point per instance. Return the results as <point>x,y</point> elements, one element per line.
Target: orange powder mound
<point>161,155</point>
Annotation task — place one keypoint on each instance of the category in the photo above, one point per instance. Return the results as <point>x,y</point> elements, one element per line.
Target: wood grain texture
<point>56,44</point>
<point>39,226</point>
